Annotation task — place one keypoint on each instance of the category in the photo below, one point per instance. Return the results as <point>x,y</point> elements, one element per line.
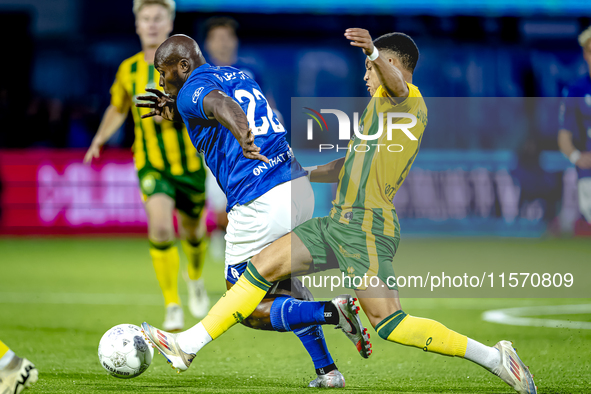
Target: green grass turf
<point>58,296</point>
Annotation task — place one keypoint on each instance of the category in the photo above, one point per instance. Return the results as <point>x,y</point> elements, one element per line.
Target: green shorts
<point>187,190</point>
<point>347,247</point>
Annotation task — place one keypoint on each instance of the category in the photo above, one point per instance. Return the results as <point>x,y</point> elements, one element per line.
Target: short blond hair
<point>170,6</point>
<point>584,37</point>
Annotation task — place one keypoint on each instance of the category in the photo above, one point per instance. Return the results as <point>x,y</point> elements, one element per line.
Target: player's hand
<point>584,161</point>
<point>160,103</point>
<point>93,153</point>
<point>250,150</point>
<point>360,38</point>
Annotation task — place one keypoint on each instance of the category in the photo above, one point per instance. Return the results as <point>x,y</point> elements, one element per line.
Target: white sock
<point>192,340</point>
<point>485,356</point>
<point>6,359</point>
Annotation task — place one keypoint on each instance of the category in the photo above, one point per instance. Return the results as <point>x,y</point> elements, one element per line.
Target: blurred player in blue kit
<point>231,123</point>
<point>574,136</point>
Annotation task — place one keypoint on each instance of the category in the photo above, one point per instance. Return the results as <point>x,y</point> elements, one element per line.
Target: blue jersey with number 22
<point>241,179</point>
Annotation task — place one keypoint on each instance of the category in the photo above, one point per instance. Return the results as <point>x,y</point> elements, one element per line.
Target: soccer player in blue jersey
<point>243,143</point>
<point>361,232</point>
<point>574,137</point>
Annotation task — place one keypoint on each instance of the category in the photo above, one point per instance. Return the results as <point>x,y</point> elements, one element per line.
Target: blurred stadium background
<point>506,180</point>
<point>60,58</point>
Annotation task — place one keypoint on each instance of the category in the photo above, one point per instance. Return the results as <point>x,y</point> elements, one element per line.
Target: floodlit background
<point>482,192</point>
<point>62,55</point>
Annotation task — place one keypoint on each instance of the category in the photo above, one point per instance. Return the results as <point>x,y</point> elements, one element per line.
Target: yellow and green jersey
<point>374,169</point>
<point>159,144</point>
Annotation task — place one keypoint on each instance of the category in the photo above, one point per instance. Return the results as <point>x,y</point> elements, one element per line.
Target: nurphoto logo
<point>345,129</point>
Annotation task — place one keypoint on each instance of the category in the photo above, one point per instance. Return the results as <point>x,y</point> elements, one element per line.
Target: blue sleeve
<point>190,102</point>
<point>568,111</point>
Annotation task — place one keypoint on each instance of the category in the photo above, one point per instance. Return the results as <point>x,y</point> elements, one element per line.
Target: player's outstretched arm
<point>160,104</point>
<point>229,113</point>
<point>390,77</point>
<point>327,173</point>
<point>112,120</point>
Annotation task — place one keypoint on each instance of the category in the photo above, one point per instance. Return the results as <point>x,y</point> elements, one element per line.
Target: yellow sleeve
<point>119,96</point>
<point>413,91</point>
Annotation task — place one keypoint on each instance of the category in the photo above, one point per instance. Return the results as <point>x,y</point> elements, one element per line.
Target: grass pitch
<point>58,297</point>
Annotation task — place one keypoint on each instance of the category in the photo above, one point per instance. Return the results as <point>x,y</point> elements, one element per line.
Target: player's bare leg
<point>194,242</point>
<point>165,256</point>
<point>383,309</point>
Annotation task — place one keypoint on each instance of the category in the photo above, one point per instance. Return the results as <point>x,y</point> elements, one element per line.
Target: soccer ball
<point>123,352</point>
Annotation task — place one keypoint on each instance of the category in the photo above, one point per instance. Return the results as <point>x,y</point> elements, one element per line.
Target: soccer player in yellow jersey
<point>171,173</point>
<point>360,235</point>
<point>16,374</point>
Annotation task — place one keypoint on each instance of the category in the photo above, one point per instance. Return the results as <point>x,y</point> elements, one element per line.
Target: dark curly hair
<point>402,46</point>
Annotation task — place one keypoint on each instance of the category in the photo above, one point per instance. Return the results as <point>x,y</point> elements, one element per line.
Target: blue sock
<point>312,338</point>
<point>289,314</point>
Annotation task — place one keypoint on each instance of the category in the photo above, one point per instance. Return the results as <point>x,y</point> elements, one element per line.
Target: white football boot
<point>333,379</point>
<point>166,344</point>
<point>198,299</point>
<point>18,375</point>
<point>174,319</point>
<point>512,370</point>
<point>350,323</point>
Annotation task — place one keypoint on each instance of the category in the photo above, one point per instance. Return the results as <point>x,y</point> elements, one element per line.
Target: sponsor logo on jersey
<point>348,254</point>
<point>148,184</point>
<point>197,94</point>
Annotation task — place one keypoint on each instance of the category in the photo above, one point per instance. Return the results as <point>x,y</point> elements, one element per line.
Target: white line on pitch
<point>81,299</point>
<point>519,316</point>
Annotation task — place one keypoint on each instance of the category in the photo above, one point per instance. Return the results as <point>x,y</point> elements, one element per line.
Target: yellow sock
<point>429,335</point>
<point>165,258</point>
<point>3,349</point>
<point>196,257</point>
<point>237,303</point>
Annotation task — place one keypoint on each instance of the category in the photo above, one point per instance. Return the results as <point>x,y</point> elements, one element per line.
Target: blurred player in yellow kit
<point>16,374</point>
<point>171,173</point>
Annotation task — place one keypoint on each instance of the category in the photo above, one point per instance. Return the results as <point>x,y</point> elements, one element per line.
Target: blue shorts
<point>234,272</point>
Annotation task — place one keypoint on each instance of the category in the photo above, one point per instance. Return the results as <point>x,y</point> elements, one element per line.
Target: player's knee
<point>160,232</point>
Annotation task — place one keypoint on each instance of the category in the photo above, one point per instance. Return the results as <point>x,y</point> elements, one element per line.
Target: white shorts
<point>256,224</point>
<point>584,186</point>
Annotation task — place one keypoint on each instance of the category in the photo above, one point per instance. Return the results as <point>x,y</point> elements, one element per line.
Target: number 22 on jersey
<point>256,100</point>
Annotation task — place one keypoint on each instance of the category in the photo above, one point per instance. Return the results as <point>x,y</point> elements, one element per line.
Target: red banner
<point>53,192</point>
